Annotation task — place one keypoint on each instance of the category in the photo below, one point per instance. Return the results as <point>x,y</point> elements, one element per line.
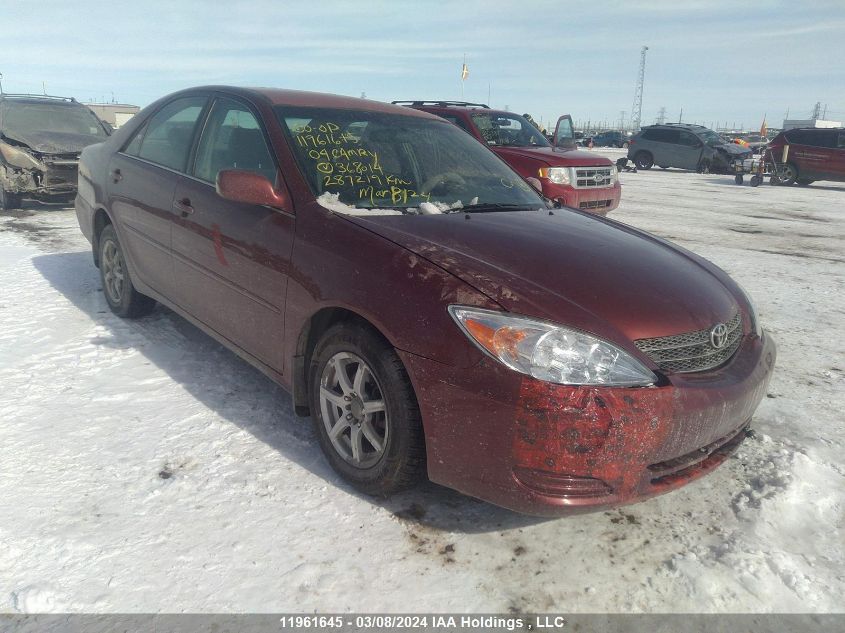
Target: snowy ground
<point>145,468</point>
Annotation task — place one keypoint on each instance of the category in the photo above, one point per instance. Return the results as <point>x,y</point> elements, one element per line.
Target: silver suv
<point>684,146</point>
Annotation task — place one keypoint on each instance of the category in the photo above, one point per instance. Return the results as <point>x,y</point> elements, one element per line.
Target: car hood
<point>570,268</point>
<point>55,142</point>
<point>556,156</point>
<point>733,149</point>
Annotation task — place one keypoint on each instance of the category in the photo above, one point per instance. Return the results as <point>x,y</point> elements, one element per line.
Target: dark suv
<point>611,138</point>
<point>684,146</point>
<point>808,154</point>
<point>572,177</point>
<point>40,141</point>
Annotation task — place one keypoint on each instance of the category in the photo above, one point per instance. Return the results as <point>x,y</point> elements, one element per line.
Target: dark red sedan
<point>421,302</point>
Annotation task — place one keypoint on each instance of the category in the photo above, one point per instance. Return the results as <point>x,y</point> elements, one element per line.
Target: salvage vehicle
<point>40,141</point>
<point>804,155</point>
<point>422,302</point>
<point>684,146</point>
<point>572,177</point>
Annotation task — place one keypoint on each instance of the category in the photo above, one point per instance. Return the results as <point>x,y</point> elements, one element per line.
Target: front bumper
<point>598,200</point>
<point>551,450</point>
<point>57,178</point>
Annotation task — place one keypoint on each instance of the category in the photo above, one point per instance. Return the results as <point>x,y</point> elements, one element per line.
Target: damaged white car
<point>41,138</point>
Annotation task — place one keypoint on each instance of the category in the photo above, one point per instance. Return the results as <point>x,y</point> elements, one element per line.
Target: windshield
<point>372,160</point>
<point>508,130</point>
<point>26,119</point>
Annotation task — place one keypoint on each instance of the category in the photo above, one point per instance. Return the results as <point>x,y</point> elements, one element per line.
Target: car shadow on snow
<point>242,395</point>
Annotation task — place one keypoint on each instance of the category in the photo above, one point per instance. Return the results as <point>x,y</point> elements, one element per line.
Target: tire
<point>787,174</point>
<point>9,200</point>
<point>738,179</point>
<point>625,145</point>
<point>643,160</point>
<point>804,182</point>
<point>704,167</point>
<point>755,181</point>
<point>120,293</point>
<point>373,374</point>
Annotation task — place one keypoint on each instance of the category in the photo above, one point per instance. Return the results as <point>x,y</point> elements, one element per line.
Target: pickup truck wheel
<point>9,200</point>
<point>365,411</point>
<point>644,160</point>
<point>625,145</point>
<point>118,289</point>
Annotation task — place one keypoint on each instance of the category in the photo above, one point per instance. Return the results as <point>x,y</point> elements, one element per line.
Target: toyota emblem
<point>719,336</point>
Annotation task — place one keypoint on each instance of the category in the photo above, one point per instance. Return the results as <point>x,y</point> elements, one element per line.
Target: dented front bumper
<point>547,449</point>
<point>55,176</point>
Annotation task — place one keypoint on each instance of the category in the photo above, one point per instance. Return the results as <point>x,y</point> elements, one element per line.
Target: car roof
<point>451,106</point>
<point>278,96</point>
<point>28,99</point>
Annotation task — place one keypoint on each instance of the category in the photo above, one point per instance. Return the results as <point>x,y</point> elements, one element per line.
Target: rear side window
<point>804,137</point>
<point>166,139</point>
<point>232,139</point>
<point>661,135</point>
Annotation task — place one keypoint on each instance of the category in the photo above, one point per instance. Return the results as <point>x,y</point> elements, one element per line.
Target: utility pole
<point>1,83</point>
<point>637,108</point>
<point>622,120</point>
<point>681,116</point>
<point>661,115</point>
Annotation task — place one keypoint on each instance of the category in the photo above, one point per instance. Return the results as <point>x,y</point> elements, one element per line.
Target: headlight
<point>558,175</point>
<point>550,352</point>
<point>752,309</point>
<point>614,175</point>
<point>19,158</point>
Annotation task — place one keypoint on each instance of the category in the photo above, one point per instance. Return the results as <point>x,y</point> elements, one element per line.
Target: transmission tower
<point>637,108</point>
<point>817,109</point>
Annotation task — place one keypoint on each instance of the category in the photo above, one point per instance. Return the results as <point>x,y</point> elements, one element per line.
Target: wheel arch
<point>100,220</point>
<point>312,330</point>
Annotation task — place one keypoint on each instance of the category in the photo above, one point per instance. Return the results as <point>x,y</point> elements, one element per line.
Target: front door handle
<point>116,176</point>
<point>183,205</point>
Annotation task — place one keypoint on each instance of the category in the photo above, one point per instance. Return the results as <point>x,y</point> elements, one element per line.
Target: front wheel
<point>643,160</point>
<point>118,288</point>
<point>625,145</point>
<point>365,411</point>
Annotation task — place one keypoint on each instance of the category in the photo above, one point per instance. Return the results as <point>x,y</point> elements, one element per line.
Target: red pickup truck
<point>575,178</point>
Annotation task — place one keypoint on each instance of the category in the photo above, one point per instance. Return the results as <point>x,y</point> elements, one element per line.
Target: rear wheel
<point>9,200</point>
<point>738,179</point>
<point>625,145</point>
<point>365,411</point>
<point>755,180</point>
<point>644,160</point>
<point>120,293</point>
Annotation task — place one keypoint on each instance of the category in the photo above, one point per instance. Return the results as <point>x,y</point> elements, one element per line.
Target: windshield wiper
<point>493,207</point>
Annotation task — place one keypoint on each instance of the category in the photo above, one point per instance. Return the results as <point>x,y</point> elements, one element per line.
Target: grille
<point>592,177</point>
<point>594,204</point>
<point>693,351</point>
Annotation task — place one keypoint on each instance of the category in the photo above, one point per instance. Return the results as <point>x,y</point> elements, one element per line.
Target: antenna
<point>637,108</point>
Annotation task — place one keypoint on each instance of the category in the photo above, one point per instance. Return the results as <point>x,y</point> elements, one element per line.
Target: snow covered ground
<point>145,468</point>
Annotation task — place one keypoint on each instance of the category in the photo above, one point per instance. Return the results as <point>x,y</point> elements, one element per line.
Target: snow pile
<point>331,201</point>
<point>428,208</point>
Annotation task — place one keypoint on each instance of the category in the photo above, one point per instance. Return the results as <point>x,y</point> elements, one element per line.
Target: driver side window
<point>232,139</point>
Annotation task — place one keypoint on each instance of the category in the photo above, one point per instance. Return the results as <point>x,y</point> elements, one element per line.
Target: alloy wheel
<point>113,271</point>
<point>353,410</point>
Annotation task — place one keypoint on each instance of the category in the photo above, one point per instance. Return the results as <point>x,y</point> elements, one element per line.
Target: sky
<point>723,63</point>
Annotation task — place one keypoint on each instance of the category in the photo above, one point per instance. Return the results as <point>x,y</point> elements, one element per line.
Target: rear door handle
<point>183,205</point>
<point>116,176</point>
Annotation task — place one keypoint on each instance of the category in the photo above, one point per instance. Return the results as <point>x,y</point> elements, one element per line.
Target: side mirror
<point>249,187</point>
